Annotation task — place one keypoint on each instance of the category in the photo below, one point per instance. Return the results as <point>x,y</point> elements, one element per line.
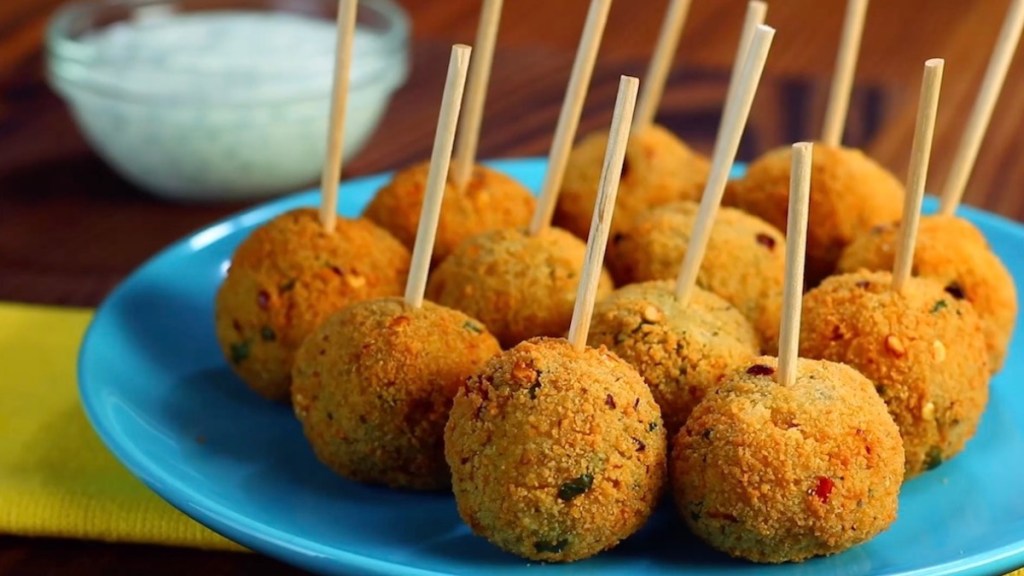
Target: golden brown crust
<point>923,349</point>
<point>491,201</point>
<point>659,168</point>
<point>953,252</point>
<point>519,286</point>
<point>782,473</point>
<point>682,352</point>
<point>374,384</point>
<point>745,261</point>
<point>850,193</point>
<point>286,278</point>
<point>556,454</point>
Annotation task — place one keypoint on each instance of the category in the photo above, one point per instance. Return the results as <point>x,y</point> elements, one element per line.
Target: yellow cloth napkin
<point>56,477</point>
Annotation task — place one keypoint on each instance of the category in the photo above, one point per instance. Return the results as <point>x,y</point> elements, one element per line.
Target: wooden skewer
<point>437,175</point>
<point>607,190</point>
<point>737,109</point>
<point>331,174</point>
<point>977,123</point>
<point>756,11</point>
<point>569,118</point>
<point>796,245</point>
<point>927,108</point>
<point>468,136</point>
<point>842,77</point>
<point>657,70</point>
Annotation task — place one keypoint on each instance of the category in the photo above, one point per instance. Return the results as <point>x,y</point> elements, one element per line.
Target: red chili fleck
<point>263,299</point>
<point>760,370</point>
<point>824,488</point>
<point>609,401</point>
<point>237,326</point>
<point>765,240</point>
<point>837,333</point>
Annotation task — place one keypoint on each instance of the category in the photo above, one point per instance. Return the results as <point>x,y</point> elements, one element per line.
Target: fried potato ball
<point>490,201</point>
<point>286,278</point>
<point>775,473</point>
<point>520,286</point>
<point>745,261</point>
<point>556,453</point>
<point>659,168</point>
<point>373,386</point>
<point>682,351</point>
<point>852,193</point>
<point>952,251</point>
<point>923,349</point>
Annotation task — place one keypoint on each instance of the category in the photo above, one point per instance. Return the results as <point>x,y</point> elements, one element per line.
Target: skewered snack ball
<point>659,169</point>
<point>490,201</point>
<point>923,349</point>
<point>519,285</point>
<point>852,193</point>
<point>373,386</point>
<point>744,263</point>
<point>781,473</point>
<point>556,453</point>
<point>953,252</point>
<point>681,351</point>
<point>286,278</point>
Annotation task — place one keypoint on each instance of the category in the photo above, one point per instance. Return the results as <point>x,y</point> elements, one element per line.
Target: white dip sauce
<point>222,104</point>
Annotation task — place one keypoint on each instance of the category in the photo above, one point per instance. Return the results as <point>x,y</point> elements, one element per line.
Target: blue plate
<point>161,397</point>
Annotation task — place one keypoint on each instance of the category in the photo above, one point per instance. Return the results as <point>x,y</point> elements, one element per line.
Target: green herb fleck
<point>575,487</point>
<point>268,334</point>
<point>288,286</point>
<point>473,327</point>
<point>939,306</point>
<point>239,351</point>
<point>933,458</point>
<point>553,547</point>
<point>880,388</point>
<point>652,426</point>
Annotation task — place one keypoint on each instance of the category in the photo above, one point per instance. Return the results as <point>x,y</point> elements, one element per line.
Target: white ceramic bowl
<point>184,123</point>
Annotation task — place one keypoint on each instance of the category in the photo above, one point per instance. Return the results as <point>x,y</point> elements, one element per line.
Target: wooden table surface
<point>70,228</point>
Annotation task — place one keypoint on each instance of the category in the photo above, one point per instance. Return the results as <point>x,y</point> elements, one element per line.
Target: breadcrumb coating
<point>556,453</point>
<point>286,278</point>
<point>776,473</point>
<point>923,349</point>
<point>682,352</point>
<point>953,252</point>
<point>745,261</point>
<point>490,201</point>
<point>520,286</point>
<point>850,193</point>
<point>374,384</point>
<point>659,168</point>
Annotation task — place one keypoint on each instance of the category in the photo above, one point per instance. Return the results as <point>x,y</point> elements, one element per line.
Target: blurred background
<point>56,192</point>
